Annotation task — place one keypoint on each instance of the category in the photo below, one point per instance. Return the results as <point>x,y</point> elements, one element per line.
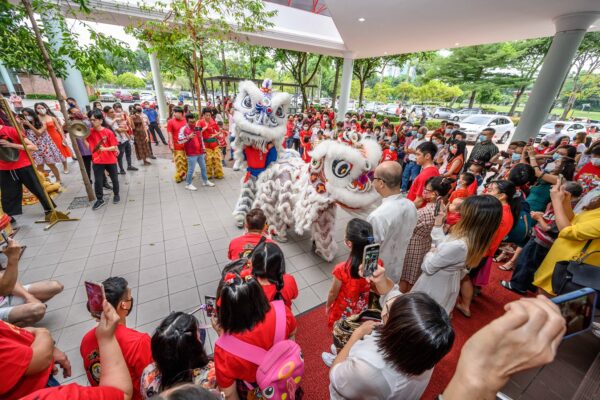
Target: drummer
<point>17,172</point>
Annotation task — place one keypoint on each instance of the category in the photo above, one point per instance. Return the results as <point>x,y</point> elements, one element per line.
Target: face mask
<point>516,157</point>
<point>448,131</point>
<point>482,138</point>
<point>596,162</point>
<point>41,111</point>
<point>556,156</point>
<point>29,118</point>
<point>541,147</point>
<point>305,128</point>
<point>557,130</point>
<point>392,148</point>
<point>419,136</point>
<point>453,149</point>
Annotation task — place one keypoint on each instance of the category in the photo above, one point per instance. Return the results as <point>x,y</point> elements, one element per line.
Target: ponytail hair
<point>513,198</point>
<point>268,262</point>
<point>440,185</point>
<point>360,233</point>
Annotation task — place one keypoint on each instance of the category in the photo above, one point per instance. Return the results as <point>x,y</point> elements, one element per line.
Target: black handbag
<point>569,276</point>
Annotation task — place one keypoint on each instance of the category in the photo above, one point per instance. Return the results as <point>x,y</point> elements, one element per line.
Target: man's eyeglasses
<point>378,179</point>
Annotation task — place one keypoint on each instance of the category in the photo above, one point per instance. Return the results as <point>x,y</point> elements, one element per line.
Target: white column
<point>570,30</point>
<point>345,87</point>
<point>73,83</point>
<point>159,91</point>
<point>6,78</point>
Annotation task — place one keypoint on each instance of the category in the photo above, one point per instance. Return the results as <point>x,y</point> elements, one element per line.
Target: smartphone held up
<point>370,259</point>
<point>577,308</point>
<point>96,296</point>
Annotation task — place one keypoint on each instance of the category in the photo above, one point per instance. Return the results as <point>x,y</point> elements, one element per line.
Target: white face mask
<point>41,111</point>
<point>29,118</point>
<point>596,162</point>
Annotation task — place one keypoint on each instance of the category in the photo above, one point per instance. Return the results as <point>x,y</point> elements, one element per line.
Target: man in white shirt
<point>394,220</point>
<point>551,137</point>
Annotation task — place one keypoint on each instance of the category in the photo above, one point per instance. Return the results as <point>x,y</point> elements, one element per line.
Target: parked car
<point>570,128</point>
<point>124,96</point>
<point>325,101</point>
<point>136,96</point>
<point>147,96</point>
<point>443,113</point>
<point>593,130</point>
<point>418,109</point>
<point>107,97</point>
<point>464,113</point>
<point>373,106</point>
<point>474,124</point>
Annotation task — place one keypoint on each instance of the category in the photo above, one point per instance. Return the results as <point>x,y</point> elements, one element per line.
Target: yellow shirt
<point>568,246</point>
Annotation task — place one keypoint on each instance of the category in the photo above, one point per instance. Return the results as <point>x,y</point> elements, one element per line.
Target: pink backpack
<point>280,368</point>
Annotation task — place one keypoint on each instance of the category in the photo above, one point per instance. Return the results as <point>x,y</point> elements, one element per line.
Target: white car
<point>147,96</point>
<point>474,124</point>
<point>107,97</point>
<point>569,129</point>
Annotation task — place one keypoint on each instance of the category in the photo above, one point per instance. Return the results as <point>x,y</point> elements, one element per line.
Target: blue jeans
<point>411,170</point>
<point>192,160</point>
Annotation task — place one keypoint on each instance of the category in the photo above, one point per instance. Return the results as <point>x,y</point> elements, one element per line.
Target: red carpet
<point>314,337</point>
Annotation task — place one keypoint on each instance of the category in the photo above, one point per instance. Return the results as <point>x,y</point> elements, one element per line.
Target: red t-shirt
<point>473,187</point>
<point>289,291</point>
<point>416,189</point>
<point>289,129</point>
<point>240,246</point>
<point>9,133</point>
<point>75,392</point>
<point>389,155</point>
<point>194,146</point>
<point>230,367</point>
<point>15,355</point>
<point>502,231</point>
<point>173,127</point>
<point>588,176</point>
<point>108,139</point>
<point>459,194</point>
<point>213,128</point>
<point>222,138</point>
<point>305,137</point>
<point>136,352</point>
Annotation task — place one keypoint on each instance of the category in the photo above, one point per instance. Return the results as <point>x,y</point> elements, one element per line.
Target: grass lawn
<point>556,111</point>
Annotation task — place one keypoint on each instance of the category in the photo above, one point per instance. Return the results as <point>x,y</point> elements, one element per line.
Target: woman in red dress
<point>55,131</point>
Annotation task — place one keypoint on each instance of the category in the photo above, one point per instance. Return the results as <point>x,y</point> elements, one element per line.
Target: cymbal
<point>9,154</point>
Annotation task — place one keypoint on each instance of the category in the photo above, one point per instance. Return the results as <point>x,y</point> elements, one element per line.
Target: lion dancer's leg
<point>181,163</point>
<point>246,199</point>
<point>322,234</point>
<point>267,199</point>
<point>213,163</point>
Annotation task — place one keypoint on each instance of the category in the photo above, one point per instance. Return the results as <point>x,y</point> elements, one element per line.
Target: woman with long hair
<point>456,159</point>
<point>104,147</point>
<point>140,136</point>
<point>268,266</point>
<point>54,129</point>
<point>179,356</point>
<point>47,152</point>
<point>244,312</point>
<point>506,192</point>
<point>465,246</point>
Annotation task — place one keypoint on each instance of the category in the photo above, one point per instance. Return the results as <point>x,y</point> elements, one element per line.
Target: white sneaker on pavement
<point>191,187</point>
<point>208,183</point>
<point>333,350</point>
<point>327,358</point>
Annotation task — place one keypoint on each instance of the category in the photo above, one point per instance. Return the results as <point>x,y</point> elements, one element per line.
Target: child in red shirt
<point>210,133</point>
<point>104,147</point>
<point>462,187</point>
<point>305,142</point>
<point>425,154</point>
<point>222,139</point>
<point>389,154</point>
<point>268,266</point>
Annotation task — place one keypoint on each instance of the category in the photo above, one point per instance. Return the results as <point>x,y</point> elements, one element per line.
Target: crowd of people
<point>446,215</point>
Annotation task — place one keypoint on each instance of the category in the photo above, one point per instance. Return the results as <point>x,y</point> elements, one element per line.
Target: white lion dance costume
<point>289,191</point>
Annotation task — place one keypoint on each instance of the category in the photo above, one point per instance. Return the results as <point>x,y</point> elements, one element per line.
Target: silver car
<point>443,112</point>
<point>464,113</point>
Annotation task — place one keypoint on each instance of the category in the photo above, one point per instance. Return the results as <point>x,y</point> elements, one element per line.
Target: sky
<point>115,31</point>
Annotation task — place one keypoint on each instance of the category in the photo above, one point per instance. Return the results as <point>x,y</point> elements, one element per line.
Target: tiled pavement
<point>169,243</point>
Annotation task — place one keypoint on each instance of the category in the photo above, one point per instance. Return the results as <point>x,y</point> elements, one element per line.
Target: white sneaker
<point>333,349</point>
<point>191,187</point>
<point>208,183</point>
<point>327,358</point>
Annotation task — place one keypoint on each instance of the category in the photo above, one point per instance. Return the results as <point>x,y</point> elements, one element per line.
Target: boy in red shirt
<point>210,132</point>
<point>305,137</point>
<point>389,154</point>
<point>425,155</point>
<point>462,187</point>
<point>174,125</point>
<point>190,136</point>
<point>256,227</point>
<point>222,139</point>
<point>134,345</point>
<point>104,147</point>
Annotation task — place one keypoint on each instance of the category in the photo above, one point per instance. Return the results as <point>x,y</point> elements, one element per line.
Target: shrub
<point>93,97</point>
<point>40,96</point>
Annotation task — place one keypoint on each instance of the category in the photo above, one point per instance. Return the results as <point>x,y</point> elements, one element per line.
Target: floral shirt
<point>151,379</point>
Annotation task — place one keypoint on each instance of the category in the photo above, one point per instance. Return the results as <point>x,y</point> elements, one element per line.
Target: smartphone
<point>209,302</point>
<point>197,129</point>
<point>561,180</point>
<point>438,206</point>
<point>4,236</point>
<point>370,259</point>
<point>95,295</point>
<point>577,308</point>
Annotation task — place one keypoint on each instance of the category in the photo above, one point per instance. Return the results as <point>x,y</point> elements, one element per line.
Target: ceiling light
<point>385,53</point>
<point>456,44</point>
<point>361,19</point>
<point>592,26</point>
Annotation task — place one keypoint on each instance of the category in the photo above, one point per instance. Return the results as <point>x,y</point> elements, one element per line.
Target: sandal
<point>509,266</point>
<point>504,256</point>
<point>463,311</point>
<point>508,285</point>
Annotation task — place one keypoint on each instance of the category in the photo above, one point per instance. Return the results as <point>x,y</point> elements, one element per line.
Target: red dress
<point>353,297</point>
<point>57,138</point>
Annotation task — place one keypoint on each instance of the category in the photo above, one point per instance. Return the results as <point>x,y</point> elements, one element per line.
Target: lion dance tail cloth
<point>214,164</point>
<point>180,161</point>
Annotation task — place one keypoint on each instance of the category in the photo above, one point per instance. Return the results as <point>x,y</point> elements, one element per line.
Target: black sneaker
<point>107,186</point>
<point>152,157</point>
<point>116,199</point>
<point>122,172</point>
<point>98,204</point>
<point>131,168</point>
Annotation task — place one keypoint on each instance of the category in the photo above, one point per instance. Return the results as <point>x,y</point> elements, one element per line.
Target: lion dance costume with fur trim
<point>294,194</point>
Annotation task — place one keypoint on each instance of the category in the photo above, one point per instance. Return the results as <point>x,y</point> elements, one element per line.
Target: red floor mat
<point>314,337</point>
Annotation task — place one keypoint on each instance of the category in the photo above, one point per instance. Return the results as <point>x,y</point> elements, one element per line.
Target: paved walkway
<point>169,243</point>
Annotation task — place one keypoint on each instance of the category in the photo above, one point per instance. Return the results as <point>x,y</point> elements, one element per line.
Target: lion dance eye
<point>279,112</point>
<point>247,102</point>
<point>269,392</point>
<point>341,168</point>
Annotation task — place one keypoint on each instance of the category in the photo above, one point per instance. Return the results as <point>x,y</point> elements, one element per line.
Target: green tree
<point>302,66</point>
<point>405,91</point>
<point>129,80</point>
<point>366,68</point>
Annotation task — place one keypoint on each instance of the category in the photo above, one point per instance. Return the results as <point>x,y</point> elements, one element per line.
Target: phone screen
<point>210,302</point>
<point>95,294</point>
<point>578,310</point>
<point>370,259</point>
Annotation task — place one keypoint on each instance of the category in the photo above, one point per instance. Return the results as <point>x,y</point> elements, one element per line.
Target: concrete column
<point>159,91</point>
<point>6,78</point>
<point>570,30</point>
<point>73,83</point>
<point>346,84</point>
